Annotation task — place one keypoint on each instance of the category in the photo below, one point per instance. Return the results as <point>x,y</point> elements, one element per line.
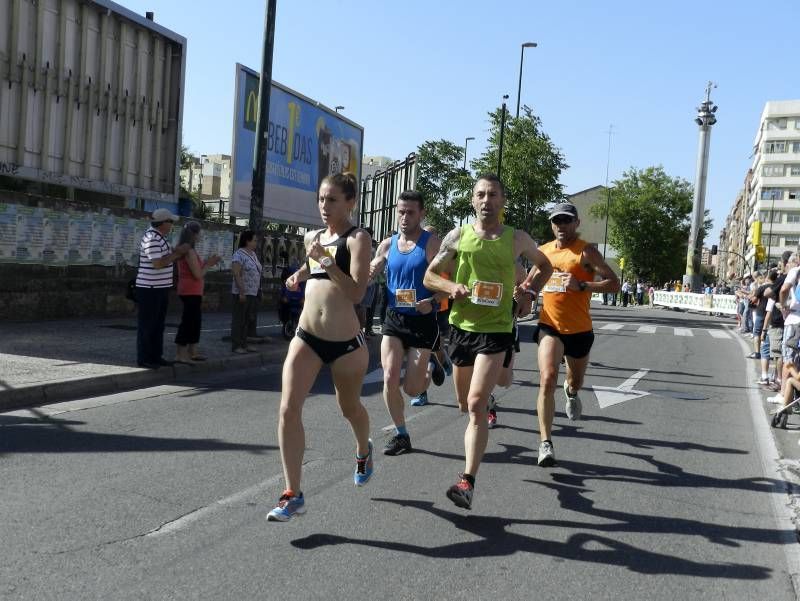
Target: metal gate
<point>379,195</point>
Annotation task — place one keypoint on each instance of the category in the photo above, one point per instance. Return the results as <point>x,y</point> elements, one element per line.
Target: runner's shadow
<point>513,454</point>
<point>497,541</point>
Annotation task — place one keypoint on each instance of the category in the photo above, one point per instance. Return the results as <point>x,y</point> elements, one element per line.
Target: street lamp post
<point>522,56</point>
<point>502,133</point>
<point>466,143</point>
<point>338,108</point>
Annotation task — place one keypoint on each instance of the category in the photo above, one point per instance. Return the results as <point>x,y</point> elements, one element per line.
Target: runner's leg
<point>551,350</point>
<point>462,376</point>
<point>300,370</point>
<point>348,377</point>
<point>392,362</point>
<point>417,378</point>
<point>484,379</point>
<point>576,370</point>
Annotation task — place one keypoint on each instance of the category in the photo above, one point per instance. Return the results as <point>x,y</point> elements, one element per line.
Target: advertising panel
<point>306,142</point>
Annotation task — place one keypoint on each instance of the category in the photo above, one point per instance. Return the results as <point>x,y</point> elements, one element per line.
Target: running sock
<point>764,375</point>
<point>470,478</point>
<point>401,430</point>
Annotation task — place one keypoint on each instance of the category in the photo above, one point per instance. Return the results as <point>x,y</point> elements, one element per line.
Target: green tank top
<point>487,268</point>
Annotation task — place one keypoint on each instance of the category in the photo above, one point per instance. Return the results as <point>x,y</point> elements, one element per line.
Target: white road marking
<point>608,396</point>
<point>719,334</point>
<point>613,326</point>
<point>647,330</point>
<point>683,332</point>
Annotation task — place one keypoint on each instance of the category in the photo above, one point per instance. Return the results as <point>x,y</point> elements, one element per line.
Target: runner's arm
<point>353,284</point>
<point>594,260</point>
<point>381,254</point>
<point>443,262</point>
<point>541,270</point>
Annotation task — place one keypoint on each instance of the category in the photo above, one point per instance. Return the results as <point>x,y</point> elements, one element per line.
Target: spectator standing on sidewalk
<point>153,282</point>
<point>191,273</point>
<point>640,293</point>
<point>651,292</point>
<point>626,293</point>
<point>246,290</point>
<point>759,312</point>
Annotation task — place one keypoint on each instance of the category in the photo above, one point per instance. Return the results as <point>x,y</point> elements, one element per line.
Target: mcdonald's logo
<point>250,106</point>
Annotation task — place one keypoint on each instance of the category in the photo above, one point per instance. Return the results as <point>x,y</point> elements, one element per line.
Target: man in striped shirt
<point>153,282</point>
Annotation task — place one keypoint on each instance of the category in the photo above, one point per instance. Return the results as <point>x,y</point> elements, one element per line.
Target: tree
<point>649,226</point>
<point>443,183</point>
<point>531,169</point>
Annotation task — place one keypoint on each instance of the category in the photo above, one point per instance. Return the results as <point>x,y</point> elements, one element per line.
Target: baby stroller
<point>780,416</point>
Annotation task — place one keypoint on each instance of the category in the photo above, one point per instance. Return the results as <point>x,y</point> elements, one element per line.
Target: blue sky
<point>412,71</point>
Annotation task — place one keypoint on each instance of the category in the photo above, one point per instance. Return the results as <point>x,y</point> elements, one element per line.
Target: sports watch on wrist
<point>582,286</point>
<point>326,262</point>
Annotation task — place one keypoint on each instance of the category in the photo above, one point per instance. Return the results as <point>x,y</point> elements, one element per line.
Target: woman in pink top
<point>191,270</point>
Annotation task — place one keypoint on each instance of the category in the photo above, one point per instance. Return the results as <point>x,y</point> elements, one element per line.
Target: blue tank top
<point>404,274</point>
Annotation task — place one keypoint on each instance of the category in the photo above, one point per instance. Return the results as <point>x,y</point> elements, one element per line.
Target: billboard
<point>305,142</point>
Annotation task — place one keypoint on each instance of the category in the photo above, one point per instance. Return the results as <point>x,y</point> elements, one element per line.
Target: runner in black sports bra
<point>337,274</point>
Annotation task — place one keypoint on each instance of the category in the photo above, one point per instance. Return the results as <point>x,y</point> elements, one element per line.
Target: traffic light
<point>761,253</point>
<point>714,249</point>
<point>622,262</point>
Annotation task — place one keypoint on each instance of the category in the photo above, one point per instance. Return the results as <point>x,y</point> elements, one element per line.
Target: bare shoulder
<point>450,240</point>
<point>359,237</point>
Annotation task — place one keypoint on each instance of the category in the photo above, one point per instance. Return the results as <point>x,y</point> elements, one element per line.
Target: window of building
<point>779,123</point>
<point>771,193</point>
<point>774,147</point>
<point>792,217</point>
<point>797,123</point>
<point>794,169</point>
<point>794,194</point>
<point>791,241</point>
<point>795,146</point>
<point>772,170</point>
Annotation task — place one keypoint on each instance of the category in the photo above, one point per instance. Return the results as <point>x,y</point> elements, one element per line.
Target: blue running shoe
<point>420,400</point>
<point>364,468</point>
<point>288,506</point>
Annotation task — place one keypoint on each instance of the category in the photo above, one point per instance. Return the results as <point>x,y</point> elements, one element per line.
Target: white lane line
<point>782,501</point>
<point>647,330</point>
<point>613,326</point>
<point>683,332</point>
<point>719,334</point>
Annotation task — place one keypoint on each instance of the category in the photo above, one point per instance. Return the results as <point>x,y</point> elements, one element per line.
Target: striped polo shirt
<point>153,246</point>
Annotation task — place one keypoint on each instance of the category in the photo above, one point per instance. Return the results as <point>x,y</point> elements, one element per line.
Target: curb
<point>65,390</point>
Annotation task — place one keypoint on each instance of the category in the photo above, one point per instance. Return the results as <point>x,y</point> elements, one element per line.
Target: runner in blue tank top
<point>410,330</point>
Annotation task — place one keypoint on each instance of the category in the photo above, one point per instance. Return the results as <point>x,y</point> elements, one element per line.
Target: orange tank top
<point>444,304</point>
<point>567,311</point>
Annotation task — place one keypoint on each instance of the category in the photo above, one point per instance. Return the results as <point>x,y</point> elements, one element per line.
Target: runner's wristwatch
<point>582,286</point>
<point>326,262</point>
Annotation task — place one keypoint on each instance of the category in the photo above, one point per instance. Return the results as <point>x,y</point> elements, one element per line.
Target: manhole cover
<point>681,395</point>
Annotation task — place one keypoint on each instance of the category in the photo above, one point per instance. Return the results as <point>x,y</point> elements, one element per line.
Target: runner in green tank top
<point>481,256</point>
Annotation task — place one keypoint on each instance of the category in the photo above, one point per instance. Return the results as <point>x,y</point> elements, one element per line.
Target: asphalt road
<point>162,493</point>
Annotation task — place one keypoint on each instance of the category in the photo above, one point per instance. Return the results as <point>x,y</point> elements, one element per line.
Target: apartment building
<point>774,190</point>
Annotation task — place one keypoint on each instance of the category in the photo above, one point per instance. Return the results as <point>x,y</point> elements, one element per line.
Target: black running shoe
<point>399,444</point>
<point>461,493</point>
<point>437,372</point>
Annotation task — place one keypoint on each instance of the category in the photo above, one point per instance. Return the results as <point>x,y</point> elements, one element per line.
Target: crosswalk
<point>669,330</point>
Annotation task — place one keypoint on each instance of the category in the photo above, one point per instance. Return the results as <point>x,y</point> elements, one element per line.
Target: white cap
<point>163,215</point>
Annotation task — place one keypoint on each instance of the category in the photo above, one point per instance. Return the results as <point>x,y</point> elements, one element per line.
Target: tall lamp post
<point>466,143</point>
<point>521,57</point>
<point>705,119</point>
<point>502,133</point>
<point>338,108</point>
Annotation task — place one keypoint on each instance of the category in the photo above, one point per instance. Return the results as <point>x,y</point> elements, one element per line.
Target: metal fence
<point>379,195</point>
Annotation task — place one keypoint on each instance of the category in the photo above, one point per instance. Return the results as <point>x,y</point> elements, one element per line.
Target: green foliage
<point>650,220</point>
<point>531,168</point>
<point>443,183</point>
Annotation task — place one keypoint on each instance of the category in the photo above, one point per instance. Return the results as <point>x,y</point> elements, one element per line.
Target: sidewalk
<point>51,361</point>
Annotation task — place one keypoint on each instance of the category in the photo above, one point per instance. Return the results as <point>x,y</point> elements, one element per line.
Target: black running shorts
<point>414,331</point>
<point>576,346</point>
<point>465,346</point>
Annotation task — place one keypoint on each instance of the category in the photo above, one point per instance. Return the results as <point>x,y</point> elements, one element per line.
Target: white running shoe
<point>776,400</point>
<point>574,408</point>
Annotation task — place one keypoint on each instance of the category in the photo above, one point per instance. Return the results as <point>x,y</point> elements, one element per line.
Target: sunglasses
<point>562,220</point>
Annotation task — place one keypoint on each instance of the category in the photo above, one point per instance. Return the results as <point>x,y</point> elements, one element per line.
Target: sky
<point>418,70</point>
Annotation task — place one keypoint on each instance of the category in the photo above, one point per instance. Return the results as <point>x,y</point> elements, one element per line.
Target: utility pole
<point>502,133</point>
<point>262,120</point>
<point>608,203</point>
<point>705,119</point>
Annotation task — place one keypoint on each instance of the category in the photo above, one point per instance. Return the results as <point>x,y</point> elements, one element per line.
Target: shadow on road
<point>497,541</point>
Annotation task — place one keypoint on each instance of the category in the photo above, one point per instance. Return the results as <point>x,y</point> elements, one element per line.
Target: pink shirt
<point>188,285</point>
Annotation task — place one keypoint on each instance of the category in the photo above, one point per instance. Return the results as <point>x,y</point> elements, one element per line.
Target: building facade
<point>734,238</point>
<point>773,194</point>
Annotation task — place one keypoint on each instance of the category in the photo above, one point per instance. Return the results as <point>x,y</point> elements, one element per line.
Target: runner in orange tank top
<point>565,325</point>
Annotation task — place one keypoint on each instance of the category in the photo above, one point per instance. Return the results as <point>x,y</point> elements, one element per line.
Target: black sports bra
<point>338,250</point>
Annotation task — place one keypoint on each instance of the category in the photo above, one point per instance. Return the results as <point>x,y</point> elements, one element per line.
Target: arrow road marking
<point>608,396</point>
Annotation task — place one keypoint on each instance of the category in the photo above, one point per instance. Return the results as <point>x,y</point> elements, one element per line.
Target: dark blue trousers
<point>152,303</point>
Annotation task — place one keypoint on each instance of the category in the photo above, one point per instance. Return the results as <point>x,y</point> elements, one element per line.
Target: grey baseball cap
<point>564,208</point>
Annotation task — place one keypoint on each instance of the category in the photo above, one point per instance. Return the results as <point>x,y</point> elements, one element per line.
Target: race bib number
<point>488,294</point>
<point>405,298</point>
<point>557,282</point>
<point>314,266</point>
